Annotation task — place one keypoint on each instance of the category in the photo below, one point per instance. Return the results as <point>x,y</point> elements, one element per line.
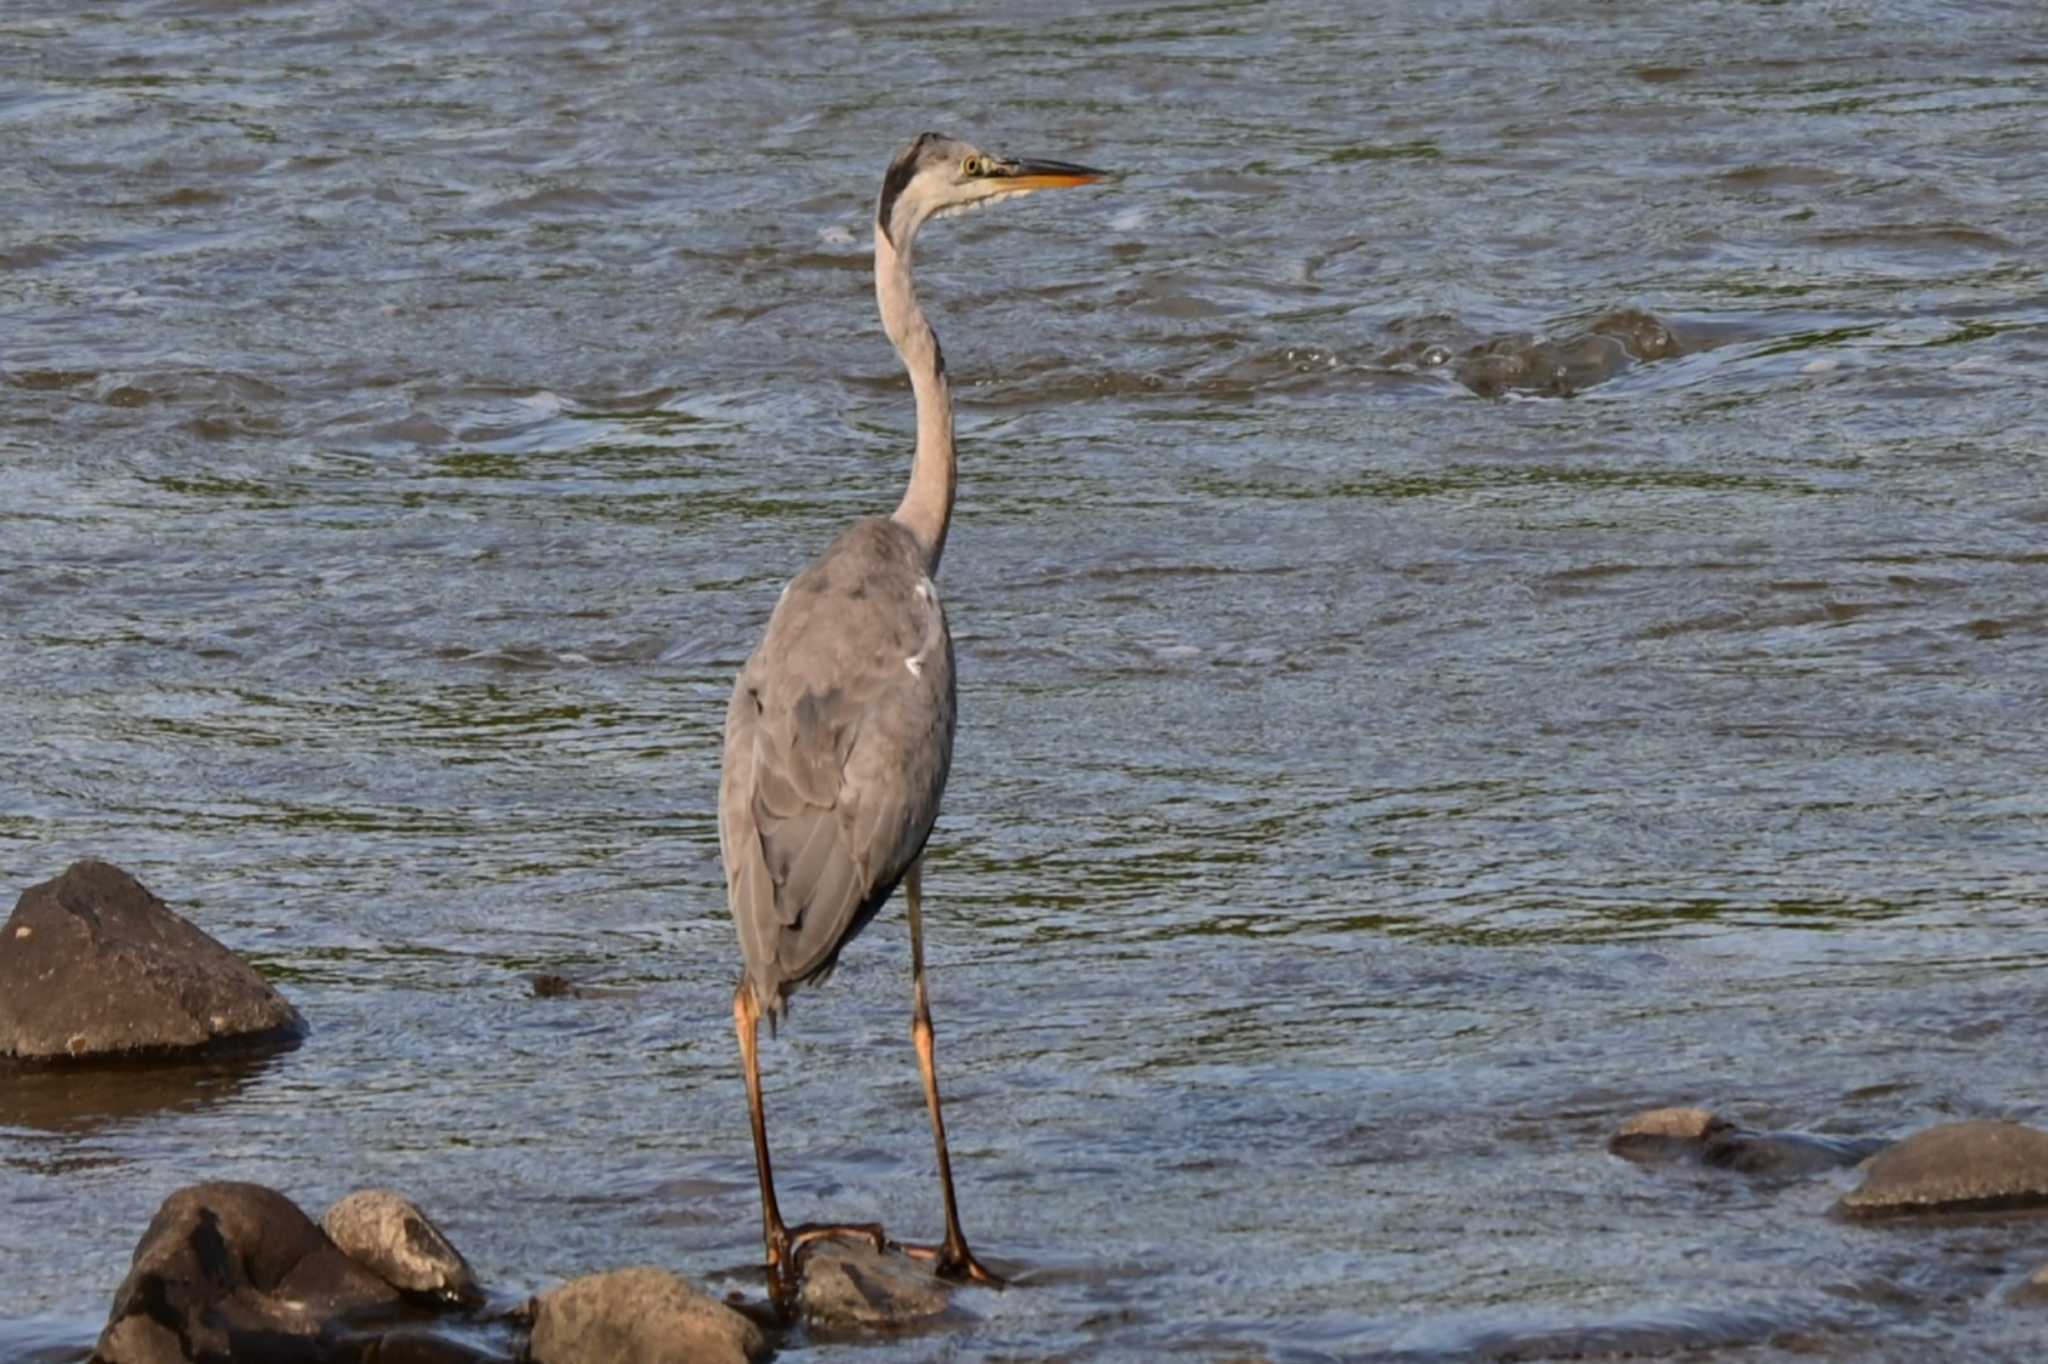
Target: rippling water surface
<point>1368,791</point>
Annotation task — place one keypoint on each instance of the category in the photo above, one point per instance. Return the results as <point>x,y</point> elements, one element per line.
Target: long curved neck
<point>927,503</point>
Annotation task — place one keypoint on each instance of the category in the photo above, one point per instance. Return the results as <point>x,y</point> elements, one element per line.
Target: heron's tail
<point>774,1004</point>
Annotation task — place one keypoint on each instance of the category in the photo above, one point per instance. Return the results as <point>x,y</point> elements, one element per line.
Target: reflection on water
<point>80,1101</point>
<point>1367,792</point>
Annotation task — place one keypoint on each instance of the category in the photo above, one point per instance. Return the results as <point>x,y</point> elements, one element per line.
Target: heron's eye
<point>974,165</point>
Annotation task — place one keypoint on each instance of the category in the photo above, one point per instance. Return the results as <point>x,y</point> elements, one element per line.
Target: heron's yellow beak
<point>1030,175</point>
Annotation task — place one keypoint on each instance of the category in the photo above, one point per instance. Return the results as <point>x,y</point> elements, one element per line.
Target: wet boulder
<point>386,1233</point>
<point>639,1316</point>
<point>94,966</point>
<point>851,1284</point>
<point>1650,1129</point>
<point>1981,1166</point>
<point>236,1271</point>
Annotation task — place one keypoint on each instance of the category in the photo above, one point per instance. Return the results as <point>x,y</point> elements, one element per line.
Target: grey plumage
<point>838,740</point>
<point>839,734</point>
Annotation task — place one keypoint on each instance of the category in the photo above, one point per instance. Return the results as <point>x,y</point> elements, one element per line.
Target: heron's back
<point>837,743</point>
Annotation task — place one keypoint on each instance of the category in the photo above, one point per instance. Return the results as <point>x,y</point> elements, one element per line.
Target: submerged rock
<point>235,1271</point>
<point>553,985</point>
<point>639,1316</point>
<point>92,966</point>
<point>1784,1153</point>
<point>2032,1293</point>
<point>386,1233</point>
<point>1554,368</point>
<point>1696,1135</point>
<point>852,1284</point>
<point>1645,335</point>
<point>1982,1166</point>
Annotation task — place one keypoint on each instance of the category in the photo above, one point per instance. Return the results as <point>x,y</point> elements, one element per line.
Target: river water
<point>1371,786</point>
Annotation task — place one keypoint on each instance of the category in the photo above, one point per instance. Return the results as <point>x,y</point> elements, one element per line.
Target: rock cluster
<point>95,968</point>
<point>1958,1169</point>
<point>236,1271</point>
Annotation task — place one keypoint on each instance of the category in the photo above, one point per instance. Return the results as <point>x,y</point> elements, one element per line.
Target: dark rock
<point>1416,355</point>
<point>235,1271</point>
<point>1508,362</point>
<point>1583,361</point>
<point>92,965</point>
<point>386,1233</point>
<point>1561,367</point>
<point>549,985</point>
<point>1557,369</point>
<point>1958,1167</point>
<point>853,1284</point>
<point>553,985</point>
<point>1645,335</point>
<point>639,1316</point>
<point>1783,1154</point>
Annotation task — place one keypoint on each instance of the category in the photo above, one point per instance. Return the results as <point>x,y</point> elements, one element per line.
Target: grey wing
<point>835,760</point>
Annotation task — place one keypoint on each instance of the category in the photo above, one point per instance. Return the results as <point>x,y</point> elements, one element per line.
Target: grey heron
<point>839,734</point>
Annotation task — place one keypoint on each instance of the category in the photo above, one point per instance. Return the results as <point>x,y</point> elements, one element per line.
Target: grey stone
<point>386,1233</point>
<point>639,1316</point>
<point>235,1271</point>
<point>853,1284</point>
<point>1957,1167</point>
<point>93,965</point>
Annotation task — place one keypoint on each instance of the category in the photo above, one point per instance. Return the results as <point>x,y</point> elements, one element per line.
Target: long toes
<point>964,1268</point>
<point>805,1239</point>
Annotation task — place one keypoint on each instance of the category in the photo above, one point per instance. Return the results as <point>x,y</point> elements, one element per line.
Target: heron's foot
<point>955,1261</point>
<point>801,1239</point>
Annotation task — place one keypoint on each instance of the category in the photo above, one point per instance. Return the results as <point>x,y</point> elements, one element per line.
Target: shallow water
<point>1367,792</point>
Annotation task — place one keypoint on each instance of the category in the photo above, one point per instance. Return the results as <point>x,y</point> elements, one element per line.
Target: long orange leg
<point>785,1247</point>
<point>956,1261</point>
<point>746,1018</point>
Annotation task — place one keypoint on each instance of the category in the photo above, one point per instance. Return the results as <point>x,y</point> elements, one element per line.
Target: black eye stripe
<point>899,175</point>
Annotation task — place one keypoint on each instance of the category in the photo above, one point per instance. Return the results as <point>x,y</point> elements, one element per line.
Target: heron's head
<point>937,175</point>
